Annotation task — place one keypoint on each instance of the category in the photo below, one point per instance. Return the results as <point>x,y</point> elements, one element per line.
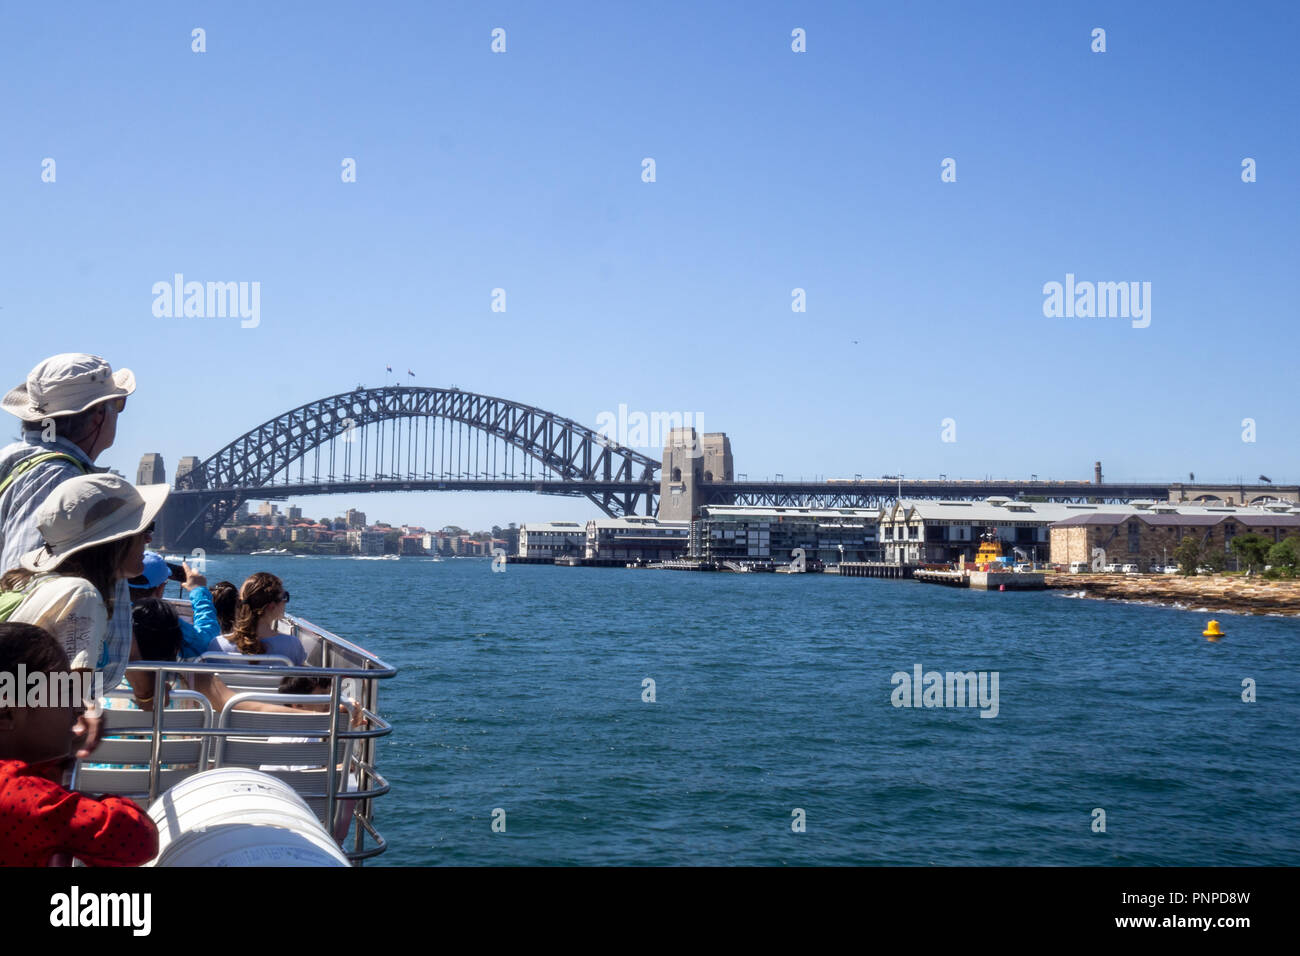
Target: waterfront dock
<point>876,569</point>
<point>983,580</point>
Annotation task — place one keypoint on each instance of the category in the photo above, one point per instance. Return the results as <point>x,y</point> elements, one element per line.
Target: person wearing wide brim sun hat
<point>94,530</point>
<point>68,406</point>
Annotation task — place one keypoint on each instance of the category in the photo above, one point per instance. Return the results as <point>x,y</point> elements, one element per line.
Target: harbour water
<point>523,691</point>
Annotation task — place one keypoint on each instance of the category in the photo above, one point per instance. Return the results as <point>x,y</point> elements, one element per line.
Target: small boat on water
<point>266,551</point>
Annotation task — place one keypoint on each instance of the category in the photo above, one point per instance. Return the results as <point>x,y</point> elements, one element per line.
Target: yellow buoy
<point>1212,631</point>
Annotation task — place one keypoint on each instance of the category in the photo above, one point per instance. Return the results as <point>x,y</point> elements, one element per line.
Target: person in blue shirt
<point>195,637</point>
<point>69,407</point>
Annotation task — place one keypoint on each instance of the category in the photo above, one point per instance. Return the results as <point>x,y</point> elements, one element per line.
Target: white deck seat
<point>120,764</point>
<point>247,676</point>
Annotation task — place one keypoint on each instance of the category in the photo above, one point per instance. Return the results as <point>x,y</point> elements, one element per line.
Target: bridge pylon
<point>691,462</point>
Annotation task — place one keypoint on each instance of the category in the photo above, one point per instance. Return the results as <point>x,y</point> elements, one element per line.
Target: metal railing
<point>328,656</point>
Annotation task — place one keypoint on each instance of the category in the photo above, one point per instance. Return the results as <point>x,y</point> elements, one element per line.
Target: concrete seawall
<point>983,580</point>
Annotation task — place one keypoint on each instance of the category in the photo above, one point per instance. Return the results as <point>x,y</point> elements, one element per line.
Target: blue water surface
<point>523,691</point>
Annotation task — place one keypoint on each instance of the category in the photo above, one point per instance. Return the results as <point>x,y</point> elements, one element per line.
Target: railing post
<point>331,778</point>
<point>159,705</point>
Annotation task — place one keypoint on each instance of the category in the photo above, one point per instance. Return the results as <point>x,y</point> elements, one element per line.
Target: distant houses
<point>352,534</point>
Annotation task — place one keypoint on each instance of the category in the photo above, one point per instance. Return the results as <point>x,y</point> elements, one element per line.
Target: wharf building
<point>943,532</point>
<point>1147,533</point>
<point>552,539</point>
<point>637,538</point>
<point>742,534</point>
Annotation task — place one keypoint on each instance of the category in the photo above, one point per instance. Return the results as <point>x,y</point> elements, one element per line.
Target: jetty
<point>983,580</point>
<point>875,569</point>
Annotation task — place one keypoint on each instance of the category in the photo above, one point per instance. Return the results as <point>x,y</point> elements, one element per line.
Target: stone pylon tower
<point>690,462</point>
<point>152,471</point>
<point>186,465</point>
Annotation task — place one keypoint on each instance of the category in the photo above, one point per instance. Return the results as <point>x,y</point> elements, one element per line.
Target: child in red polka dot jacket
<point>38,816</point>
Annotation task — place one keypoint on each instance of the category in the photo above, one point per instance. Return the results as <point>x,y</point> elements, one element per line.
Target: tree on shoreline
<point>1188,555</point>
<point>1285,557</point>
<point>1251,550</point>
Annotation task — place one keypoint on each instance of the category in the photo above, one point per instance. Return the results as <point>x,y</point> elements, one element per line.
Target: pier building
<point>636,538</point>
<point>942,532</point>
<point>742,533</point>
<point>551,539</point>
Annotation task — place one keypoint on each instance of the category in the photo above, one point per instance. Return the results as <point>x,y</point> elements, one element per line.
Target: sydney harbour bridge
<point>406,438</point>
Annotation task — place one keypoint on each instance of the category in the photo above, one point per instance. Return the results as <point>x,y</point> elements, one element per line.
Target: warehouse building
<point>943,532</point>
<point>636,538</point>
<point>1148,533</point>
<point>744,534</point>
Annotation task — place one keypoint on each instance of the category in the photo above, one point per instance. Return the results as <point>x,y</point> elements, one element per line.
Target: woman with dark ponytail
<point>262,602</point>
<point>225,598</point>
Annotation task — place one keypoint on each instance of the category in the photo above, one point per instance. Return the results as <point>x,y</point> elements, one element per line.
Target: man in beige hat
<point>69,407</point>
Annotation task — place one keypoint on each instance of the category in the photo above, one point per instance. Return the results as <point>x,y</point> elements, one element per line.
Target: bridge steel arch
<point>616,478</point>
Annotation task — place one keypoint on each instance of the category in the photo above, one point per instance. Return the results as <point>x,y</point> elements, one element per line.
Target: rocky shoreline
<point>1235,594</point>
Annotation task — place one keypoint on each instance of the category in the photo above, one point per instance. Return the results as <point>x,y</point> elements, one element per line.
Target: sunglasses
<point>118,404</point>
<point>148,530</point>
<point>284,596</point>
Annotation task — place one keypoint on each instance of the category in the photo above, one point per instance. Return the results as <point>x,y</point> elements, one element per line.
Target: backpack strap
<point>10,601</point>
<point>27,464</point>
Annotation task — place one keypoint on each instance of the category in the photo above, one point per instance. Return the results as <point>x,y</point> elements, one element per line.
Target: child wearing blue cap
<point>195,637</point>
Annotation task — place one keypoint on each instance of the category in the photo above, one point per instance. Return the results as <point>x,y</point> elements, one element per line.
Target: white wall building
<point>551,539</point>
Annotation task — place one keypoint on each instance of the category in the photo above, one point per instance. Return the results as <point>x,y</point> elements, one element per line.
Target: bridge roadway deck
<point>716,492</point>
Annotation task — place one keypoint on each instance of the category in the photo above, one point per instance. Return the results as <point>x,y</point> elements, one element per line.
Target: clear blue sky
<point>775,170</point>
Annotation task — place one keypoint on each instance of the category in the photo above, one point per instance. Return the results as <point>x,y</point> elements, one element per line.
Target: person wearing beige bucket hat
<point>94,530</point>
<point>68,407</point>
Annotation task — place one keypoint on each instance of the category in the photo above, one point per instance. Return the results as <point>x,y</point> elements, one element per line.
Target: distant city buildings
<point>366,542</point>
<point>923,531</point>
<point>270,525</point>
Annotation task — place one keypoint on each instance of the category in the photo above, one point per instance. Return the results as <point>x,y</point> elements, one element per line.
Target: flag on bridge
<point>388,367</point>
<point>410,373</point>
